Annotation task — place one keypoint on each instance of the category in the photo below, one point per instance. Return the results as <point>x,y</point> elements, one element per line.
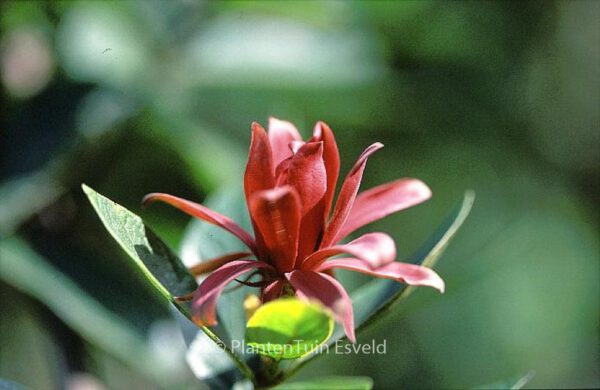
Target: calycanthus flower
<point>289,186</point>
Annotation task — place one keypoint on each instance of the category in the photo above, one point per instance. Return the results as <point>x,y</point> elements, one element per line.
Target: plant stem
<point>271,374</point>
<point>241,365</point>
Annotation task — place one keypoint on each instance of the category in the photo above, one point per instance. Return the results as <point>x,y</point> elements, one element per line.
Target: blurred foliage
<point>139,96</point>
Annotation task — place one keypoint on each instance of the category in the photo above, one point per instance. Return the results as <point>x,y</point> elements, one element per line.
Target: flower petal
<point>327,290</point>
<point>306,173</point>
<point>374,249</point>
<point>272,291</point>
<point>347,196</point>
<point>259,173</point>
<point>212,264</point>
<point>412,274</point>
<point>204,213</point>
<point>276,213</point>
<point>206,295</point>
<point>331,157</point>
<point>383,200</point>
<point>296,145</point>
<point>311,227</point>
<point>281,134</point>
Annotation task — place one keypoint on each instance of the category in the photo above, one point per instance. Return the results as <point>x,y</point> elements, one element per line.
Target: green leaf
<point>330,383</point>
<point>288,328</point>
<point>161,267</point>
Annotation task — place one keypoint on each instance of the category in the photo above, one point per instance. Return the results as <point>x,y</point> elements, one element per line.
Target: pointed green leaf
<point>161,267</point>
<point>158,263</point>
<point>288,328</point>
<point>331,383</point>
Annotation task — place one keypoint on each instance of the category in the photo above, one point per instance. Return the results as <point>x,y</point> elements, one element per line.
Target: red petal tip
<point>374,146</point>
<point>370,150</point>
<point>440,286</point>
<point>318,129</point>
<point>148,198</point>
<point>272,119</point>
<point>257,126</point>
<point>417,186</point>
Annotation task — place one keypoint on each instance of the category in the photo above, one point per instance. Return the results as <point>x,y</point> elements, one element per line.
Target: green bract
<point>288,328</point>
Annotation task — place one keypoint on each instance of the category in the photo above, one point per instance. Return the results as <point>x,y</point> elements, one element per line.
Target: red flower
<point>289,186</point>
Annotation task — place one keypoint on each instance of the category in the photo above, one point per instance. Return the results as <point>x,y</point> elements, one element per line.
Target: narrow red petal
<point>412,274</point>
<point>306,173</point>
<point>331,157</point>
<point>259,174</point>
<point>212,264</point>
<point>311,227</point>
<point>281,134</point>
<point>327,290</point>
<point>374,249</point>
<point>276,213</point>
<point>272,291</point>
<point>383,200</point>
<point>204,213</point>
<point>347,196</point>
<point>206,295</point>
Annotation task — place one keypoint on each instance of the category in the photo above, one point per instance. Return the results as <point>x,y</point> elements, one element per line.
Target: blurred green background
<point>139,96</point>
